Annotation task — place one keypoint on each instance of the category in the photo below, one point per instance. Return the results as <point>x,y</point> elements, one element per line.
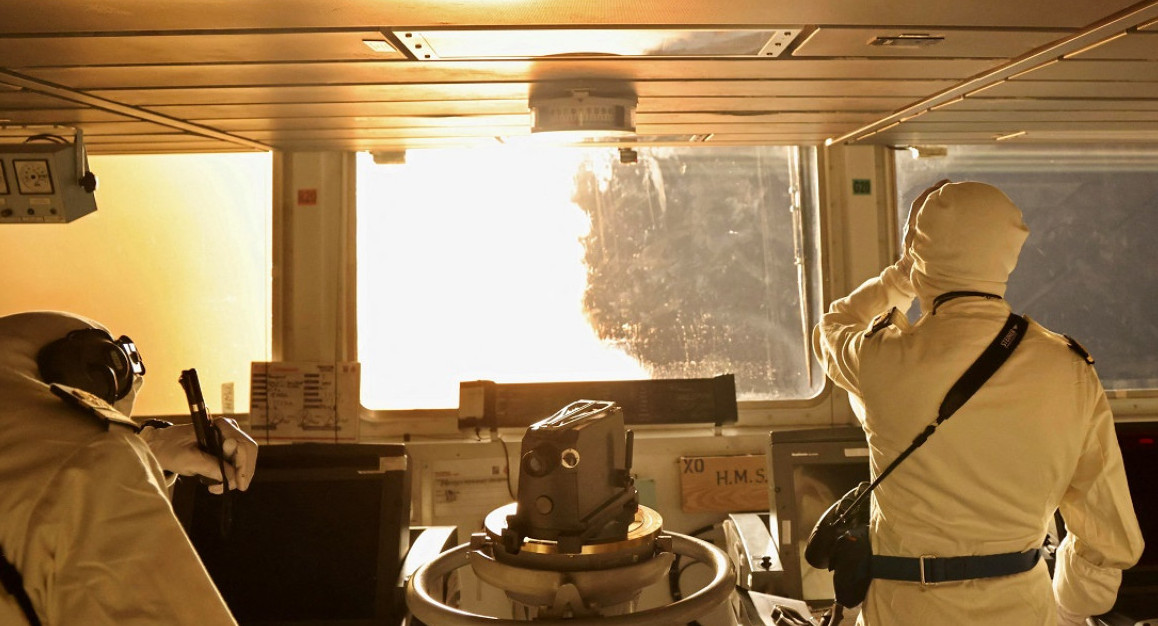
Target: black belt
<point>929,570</point>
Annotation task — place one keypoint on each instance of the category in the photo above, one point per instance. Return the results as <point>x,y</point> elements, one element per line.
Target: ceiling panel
<point>462,108</point>
<point>1104,70</point>
<point>20,99</point>
<point>1135,45</point>
<point>77,16</point>
<point>398,121</point>
<point>1063,115</point>
<point>998,105</point>
<point>1106,90</point>
<point>450,72</point>
<point>1004,127</point>
<point>199,75</point>
<point>185,49</point>
<point>65,117</point>
<point>173,138</point>
<point>1054,136</point>
<point>816,129</point>
<point>519,91</point>
<point>130,146</point>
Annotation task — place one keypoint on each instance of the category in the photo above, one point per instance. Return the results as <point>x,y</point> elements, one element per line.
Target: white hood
<point>22,335</point>
<point>967,237</point>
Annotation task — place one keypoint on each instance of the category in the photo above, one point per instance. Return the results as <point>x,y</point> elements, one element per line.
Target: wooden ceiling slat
<point>1099,70</point>
<point>983,103</point>
<point>189,75</point>
<point>63,117</point>
<point>249,125</point>
<point>504,71</point>
<point>94,51</point>
<point>1135,45</point>
<point>279,136</point>
<point>515,91</point>
<point>1094,90</point>
<point>1062,115</point>
<point>433,109</point>
<point>86,16</point>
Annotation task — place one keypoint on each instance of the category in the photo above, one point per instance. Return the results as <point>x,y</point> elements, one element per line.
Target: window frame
<point>1125,403</point>
<point>806,412</point>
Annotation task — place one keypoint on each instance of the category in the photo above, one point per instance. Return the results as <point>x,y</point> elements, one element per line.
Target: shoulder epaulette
<point>92,406</point>
<point>881,322</point>
<point>1077,347</point>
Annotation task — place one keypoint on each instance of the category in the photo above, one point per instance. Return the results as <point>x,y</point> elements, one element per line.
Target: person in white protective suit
<point>1037,436</point>
<point>85,521</point>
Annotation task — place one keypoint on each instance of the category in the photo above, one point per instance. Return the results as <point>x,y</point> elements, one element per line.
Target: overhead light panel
<point>639,42</point>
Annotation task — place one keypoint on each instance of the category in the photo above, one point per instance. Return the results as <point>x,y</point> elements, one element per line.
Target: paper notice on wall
<point>304,401</point>
<point>466,490</point>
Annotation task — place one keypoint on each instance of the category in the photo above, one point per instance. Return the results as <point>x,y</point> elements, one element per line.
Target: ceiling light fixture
<point>436,44</point>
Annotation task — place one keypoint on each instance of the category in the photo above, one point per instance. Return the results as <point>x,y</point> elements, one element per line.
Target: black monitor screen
<point>1139,444</point>
<point>318,537</point>
<point>810,469</point>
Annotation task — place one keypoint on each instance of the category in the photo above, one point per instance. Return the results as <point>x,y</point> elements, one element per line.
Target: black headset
<point>90,359</point>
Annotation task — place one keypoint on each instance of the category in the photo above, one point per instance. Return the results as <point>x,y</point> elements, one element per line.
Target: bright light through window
<point>177,256</point>
<point>477,274</point>
<point>534,264</point>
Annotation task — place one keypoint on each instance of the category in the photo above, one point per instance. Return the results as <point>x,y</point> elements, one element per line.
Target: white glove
<point>1066,618</point>
<point>176,451</point>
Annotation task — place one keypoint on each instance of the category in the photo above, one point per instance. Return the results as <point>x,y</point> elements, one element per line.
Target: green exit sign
<point>862,187</point>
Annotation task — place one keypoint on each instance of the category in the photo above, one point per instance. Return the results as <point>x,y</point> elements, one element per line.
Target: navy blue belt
<point>929,570</point>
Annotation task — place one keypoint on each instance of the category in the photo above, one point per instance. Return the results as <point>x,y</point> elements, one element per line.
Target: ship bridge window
<point>540,264</point>
<point>1087,268</point>
<point>177,256</point>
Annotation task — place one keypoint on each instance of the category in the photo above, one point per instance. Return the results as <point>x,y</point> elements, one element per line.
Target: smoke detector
<point>580,112</point>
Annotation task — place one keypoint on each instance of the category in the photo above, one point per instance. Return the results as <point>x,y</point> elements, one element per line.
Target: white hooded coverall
<point>84,515</point>
<point>1038,435</point>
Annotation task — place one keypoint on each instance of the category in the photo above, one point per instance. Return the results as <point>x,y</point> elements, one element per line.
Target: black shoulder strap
<point>14,585</point>
<point>972,380</point>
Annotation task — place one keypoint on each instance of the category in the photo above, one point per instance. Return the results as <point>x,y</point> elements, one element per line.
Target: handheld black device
<point>208,437</point>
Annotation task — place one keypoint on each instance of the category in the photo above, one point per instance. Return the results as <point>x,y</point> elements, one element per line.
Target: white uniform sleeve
<point>838,337</point>
<point>104,547</point>
<point>1103,534</point>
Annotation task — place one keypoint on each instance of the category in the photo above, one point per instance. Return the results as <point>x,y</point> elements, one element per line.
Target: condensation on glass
<point>1087,267</point>
<point>555,264</point>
